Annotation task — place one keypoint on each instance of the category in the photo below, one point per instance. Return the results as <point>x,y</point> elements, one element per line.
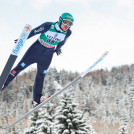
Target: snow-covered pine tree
<point>45,123</point>
<point>32,124</point>
<point>69,119</point>
<point>124,122</point>
<point>49,87</point>
<point>41,121</point>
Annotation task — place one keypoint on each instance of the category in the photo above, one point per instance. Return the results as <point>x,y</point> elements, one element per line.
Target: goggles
<point>67,22</point>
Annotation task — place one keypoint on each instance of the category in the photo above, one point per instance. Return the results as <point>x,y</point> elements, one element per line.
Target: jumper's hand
<point>58,51</point>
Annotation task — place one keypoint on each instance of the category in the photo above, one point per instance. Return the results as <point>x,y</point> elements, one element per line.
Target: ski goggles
<point>67,22</point>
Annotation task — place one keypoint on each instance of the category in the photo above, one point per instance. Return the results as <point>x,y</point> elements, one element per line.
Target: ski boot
<point>43,98</point>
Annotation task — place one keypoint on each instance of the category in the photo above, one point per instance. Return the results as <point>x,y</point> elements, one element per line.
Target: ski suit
<point>51,38</point>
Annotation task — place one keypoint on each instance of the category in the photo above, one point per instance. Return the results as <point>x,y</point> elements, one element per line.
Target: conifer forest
<point>100,103</point>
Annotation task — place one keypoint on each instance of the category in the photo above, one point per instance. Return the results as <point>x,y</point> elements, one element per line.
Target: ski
<point>60,91</point>
<point>15,52</point>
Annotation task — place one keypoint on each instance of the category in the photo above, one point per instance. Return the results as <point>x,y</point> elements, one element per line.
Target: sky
<point>99,26</point>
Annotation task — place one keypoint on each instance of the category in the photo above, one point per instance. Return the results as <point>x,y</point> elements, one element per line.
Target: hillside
<point>105,97</point>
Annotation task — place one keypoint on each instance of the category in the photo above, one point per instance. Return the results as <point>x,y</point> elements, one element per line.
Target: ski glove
<point>15,40</point>
<point>58,51</point>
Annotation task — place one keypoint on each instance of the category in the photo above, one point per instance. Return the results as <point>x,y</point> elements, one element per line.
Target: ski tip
<point>28,27</point>
<point>106,53</point>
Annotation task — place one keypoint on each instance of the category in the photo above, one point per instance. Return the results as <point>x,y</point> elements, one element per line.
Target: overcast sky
<point>99,26</point>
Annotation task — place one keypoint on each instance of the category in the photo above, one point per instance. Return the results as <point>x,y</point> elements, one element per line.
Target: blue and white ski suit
<point>41,52</point>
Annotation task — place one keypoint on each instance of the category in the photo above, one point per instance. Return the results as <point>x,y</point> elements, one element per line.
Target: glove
<point>15,40</point>
<point>58,51</point>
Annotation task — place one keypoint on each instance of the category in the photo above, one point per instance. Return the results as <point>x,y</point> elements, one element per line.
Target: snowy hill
<point>106,98</point>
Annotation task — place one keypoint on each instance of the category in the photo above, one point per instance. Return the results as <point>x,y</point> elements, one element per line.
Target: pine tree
<point>69,119</point>
<point>41,121</point>
<point>124,122</point>
<point>32,124</point>
<point>46,117</point>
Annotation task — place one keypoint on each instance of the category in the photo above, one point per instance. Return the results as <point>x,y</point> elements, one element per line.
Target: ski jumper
<point>41,52</point>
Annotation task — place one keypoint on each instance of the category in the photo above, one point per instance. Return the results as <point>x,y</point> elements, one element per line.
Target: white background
<point>99,26</point>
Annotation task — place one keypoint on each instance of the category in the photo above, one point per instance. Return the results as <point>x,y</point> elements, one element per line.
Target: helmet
<point>65,16</point>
